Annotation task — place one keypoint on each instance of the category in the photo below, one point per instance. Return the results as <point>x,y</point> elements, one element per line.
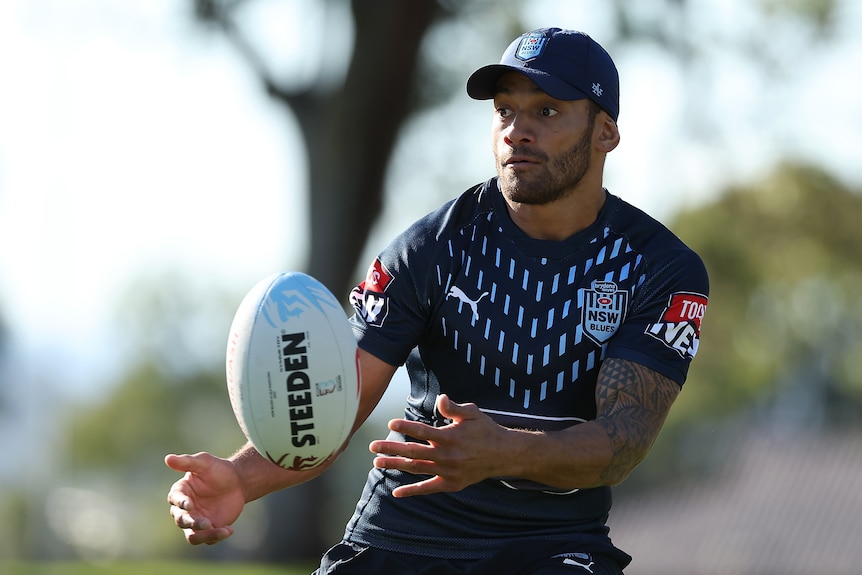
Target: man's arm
<point>632,404</point>
<point>213,491</point>
<point>257,474</point>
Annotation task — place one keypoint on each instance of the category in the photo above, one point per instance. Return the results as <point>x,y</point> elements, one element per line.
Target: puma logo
<point>576,563</point>
<point>456,292</point>
<point>577,560</point>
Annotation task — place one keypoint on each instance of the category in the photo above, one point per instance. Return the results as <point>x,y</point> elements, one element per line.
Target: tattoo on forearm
<point>632,402</point>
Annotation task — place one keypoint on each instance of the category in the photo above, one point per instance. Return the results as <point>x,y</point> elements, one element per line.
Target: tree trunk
<point>351,134</point>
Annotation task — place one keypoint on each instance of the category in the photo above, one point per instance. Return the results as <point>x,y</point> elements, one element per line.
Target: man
<point>547,327</point>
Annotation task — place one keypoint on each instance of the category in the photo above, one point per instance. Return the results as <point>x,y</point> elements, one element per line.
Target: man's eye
<point>504,112</point>
<point>549,112</point>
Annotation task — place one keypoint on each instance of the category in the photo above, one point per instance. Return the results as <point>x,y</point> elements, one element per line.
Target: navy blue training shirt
<point>476,309</point>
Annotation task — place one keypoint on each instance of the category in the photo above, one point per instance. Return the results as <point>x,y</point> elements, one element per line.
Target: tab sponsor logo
<point>679,327</point>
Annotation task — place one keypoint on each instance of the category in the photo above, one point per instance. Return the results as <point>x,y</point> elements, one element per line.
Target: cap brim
<point>482,84</point>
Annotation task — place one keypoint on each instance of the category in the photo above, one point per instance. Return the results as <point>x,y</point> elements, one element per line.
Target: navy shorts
<point>523,558</point>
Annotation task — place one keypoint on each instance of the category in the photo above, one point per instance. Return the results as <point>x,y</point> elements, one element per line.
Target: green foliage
<point>785,271</point>
<point>784,319</point>
<point>15,511</point>
<point>114,454</point>
<point>173,398</point>
<point>149,414</point>
<point>821,13</point>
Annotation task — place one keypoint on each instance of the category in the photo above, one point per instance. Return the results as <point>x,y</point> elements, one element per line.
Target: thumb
<point>450,410</point>
<point>194,463</point>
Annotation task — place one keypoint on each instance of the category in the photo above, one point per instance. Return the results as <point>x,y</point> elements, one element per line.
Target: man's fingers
<point>417,430</point>
<point>209,536</point>
<point>414,466</point>
<point>187,520</point>
<point>454,411</point>
<point>179,499</point>
<point>409,449</point>
<point>435,484</point>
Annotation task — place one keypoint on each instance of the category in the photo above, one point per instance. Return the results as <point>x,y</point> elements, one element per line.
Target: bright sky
<point>131,143</point>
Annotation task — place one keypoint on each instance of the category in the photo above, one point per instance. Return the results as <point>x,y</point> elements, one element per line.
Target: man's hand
<point>457,455</point>
<point>208,498</point>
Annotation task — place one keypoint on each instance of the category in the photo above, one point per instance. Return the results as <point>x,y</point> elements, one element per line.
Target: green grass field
<point>148,568</point>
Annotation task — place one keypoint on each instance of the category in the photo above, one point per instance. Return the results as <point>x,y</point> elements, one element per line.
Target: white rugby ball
<point>292,370</point>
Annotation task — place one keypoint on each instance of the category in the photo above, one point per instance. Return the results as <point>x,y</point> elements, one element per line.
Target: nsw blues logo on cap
<point>531,46</point>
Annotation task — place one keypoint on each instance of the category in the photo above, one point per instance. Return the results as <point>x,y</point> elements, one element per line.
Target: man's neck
<point>561,219</point>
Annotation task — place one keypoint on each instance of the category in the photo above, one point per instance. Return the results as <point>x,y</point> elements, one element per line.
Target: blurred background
<point>158,157</point>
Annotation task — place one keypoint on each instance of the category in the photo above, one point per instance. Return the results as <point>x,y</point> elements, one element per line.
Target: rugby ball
<point>292,369</point>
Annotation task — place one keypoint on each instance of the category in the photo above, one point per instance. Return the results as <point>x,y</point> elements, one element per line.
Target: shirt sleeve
<point>392,305</point>
<point>662,330</point>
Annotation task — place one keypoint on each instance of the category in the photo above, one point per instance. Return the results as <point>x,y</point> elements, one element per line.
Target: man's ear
<point>608,133</point>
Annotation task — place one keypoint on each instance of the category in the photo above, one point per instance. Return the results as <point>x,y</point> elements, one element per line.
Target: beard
<point>554,179</point>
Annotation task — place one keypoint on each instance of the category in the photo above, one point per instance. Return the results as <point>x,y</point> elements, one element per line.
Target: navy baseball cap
<point>565,64</point>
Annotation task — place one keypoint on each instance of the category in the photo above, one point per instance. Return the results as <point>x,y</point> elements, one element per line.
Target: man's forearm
<point>259,476</point>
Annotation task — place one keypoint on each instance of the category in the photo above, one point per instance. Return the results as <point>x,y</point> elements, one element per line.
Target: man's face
<point>542,146</point>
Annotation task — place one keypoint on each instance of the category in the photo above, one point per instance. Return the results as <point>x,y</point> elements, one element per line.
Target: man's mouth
<point>520,161</point>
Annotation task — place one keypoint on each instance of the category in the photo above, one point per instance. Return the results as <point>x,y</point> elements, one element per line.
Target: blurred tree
<point>786,273</point>
<point>781,338</point>
<point>153,412</point>
<point>349,125</point>
<point>173,396</point>
<point>4,380</point>
<point>349,129</point>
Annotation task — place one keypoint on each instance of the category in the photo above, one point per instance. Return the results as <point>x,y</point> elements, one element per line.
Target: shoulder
<point>448,221</point>
<point>644,232</point>
<point>661,250</point>
<point>419,247</point>
<point>458,212</point>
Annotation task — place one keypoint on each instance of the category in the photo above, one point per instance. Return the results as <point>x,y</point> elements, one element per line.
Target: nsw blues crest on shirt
<point>604,309</point>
